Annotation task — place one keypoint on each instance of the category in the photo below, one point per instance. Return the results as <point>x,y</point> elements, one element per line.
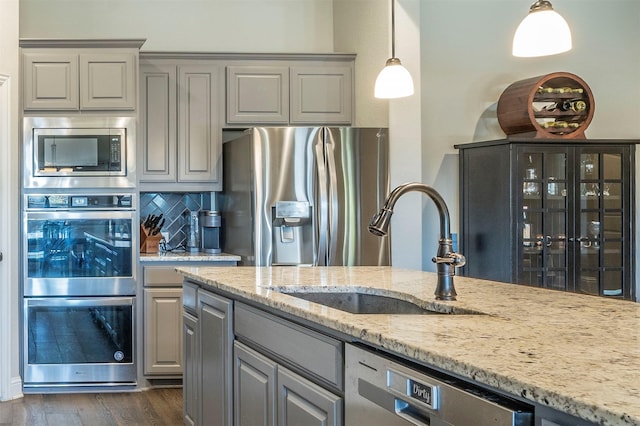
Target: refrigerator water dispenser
<point>292,233</point>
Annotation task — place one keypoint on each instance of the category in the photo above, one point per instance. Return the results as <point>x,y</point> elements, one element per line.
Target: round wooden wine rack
<point>557,105</point>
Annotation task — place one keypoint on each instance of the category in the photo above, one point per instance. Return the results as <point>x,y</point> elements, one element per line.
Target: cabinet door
<point>191,378</point>
<point>257,94</point>
<point>108,81</point>
<point>216,359</point>
<point>301,402</point>
<point>163,331</point>
<point>50,81</point>
<point>544,218</point>
<point>254,390</point>
<point>199,130</point>
<point>603,231</point>
<point>321,95</point>
<point>157,142</point>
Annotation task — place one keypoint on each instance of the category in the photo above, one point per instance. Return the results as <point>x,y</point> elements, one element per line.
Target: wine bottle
<point>575,105</point>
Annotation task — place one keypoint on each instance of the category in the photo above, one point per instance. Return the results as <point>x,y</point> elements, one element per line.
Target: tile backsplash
<point>175,208</point>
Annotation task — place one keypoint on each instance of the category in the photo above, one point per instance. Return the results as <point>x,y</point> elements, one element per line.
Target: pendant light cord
<point>393,28</point>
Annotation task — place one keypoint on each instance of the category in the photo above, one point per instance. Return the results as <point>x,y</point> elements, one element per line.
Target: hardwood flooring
<point>151,407</point>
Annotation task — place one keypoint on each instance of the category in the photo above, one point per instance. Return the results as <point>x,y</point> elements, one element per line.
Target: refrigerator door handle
<point>332,192</point>
<point>321,202</point>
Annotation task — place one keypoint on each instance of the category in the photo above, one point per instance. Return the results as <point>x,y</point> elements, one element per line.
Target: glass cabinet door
<point>543,218</point>
<point>601,239</point>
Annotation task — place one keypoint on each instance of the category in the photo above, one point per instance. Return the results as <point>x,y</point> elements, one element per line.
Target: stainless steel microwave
<point>69,152</point>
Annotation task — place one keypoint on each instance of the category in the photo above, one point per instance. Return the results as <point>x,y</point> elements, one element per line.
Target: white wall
<point>10,384</point>
<point>187,25</point>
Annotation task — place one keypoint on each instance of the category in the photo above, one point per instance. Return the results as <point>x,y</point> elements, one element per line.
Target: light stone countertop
<point>172,256</point>
<point>576,353</point>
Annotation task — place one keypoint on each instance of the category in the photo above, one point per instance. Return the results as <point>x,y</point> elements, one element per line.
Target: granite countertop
<point>576,353</point>
<point>172,256</point>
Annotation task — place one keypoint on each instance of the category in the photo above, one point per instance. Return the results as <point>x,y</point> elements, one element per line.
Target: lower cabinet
<point>215,326</point>
<point>246,367</point>
<point>254,387</point>
<point>301,402</point>
<point>162,322</point>
<point>163,331</point>
<point>191,373</point>
<point>266,393</point>
<point>207,383</point>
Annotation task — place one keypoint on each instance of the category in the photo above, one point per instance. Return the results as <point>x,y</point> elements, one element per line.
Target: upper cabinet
<point>180,133</point>
<point>75,76</point>
<point>183,98</point>
<point>292,90</point>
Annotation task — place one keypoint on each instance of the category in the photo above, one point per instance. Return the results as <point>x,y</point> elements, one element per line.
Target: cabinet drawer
<point>312,352</point>
<point>161,276</point>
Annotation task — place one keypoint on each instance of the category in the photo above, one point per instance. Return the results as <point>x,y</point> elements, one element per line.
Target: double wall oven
<point>79,254</point>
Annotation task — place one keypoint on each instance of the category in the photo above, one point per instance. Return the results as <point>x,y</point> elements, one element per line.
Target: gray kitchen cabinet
<point>292,92</point>
<point>180,132</point>
<point>321,94</point>
<point>254,387</point>
<point>162,321</point>
<point>267,393</point>
<point>191,373</point>
<point>274,372</point>
<point>258,94</point>
<point>215,356</point>
<point>80,79</point>
<point>301,402</point>
<point>271,388</point>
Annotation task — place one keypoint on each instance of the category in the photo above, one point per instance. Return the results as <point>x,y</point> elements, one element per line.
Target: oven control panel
<point>72,202</point>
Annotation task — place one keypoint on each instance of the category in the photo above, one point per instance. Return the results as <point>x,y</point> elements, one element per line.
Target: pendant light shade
<point>542,32</point>
<point>394,81</point>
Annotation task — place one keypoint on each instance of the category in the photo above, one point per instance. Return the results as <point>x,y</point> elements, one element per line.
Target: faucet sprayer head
<point>379,224</point>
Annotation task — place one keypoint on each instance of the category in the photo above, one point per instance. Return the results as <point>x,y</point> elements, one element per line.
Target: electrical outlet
<point>165,235</point>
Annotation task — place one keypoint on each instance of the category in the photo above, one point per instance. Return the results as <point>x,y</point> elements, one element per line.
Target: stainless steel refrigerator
<point>304,195</point>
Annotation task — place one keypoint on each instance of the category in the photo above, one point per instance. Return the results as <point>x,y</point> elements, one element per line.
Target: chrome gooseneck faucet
<point>446,259</point>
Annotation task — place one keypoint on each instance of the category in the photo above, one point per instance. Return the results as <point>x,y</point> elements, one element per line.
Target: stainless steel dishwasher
<point>383,391</point>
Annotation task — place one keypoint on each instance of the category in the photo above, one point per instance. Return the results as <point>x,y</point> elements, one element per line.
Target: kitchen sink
<point>360,302</point>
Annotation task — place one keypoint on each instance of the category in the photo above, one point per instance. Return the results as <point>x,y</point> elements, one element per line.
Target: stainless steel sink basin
<point>359,302</point>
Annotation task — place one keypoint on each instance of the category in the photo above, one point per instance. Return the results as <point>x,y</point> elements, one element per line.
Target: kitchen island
<point>577,354</point>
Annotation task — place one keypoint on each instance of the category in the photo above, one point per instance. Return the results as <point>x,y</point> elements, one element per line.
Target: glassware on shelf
<point>588,166</point>
<point>530,188</point>
<point>591,190</point>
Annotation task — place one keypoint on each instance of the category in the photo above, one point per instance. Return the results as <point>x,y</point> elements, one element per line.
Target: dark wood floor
<point>151,407</point>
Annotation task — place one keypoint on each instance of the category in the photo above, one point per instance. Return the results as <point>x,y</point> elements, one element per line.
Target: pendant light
<point>542,32</point>
<point>394,81</point>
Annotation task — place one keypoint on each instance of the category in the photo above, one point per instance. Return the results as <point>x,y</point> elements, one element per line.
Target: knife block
<point>149,243</point>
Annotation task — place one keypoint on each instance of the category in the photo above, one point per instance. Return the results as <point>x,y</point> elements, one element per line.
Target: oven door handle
<point>79,301</point>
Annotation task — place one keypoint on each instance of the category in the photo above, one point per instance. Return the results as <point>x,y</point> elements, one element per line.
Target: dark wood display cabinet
<point>550,213</point>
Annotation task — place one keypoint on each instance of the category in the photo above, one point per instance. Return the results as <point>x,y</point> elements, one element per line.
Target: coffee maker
<point>210,222</point>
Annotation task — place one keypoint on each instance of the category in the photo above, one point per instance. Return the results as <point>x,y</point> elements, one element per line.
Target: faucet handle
<point>451,258</point>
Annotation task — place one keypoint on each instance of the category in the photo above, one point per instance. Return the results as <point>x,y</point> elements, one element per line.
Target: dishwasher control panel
<point>404,385</point>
